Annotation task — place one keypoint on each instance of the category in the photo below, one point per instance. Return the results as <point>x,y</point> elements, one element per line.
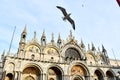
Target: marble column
<point>3,75</point>
<point>16,76</point>
<point>19,76</point>
<point>44,77</point>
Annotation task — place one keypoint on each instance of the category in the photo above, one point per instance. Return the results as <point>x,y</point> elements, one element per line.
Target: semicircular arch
<point>51,49</point>
<point>31,71</point>
<point>32,65</point>
<point>54,71</point>
<point>33,45</point>
<point>90,53</point>
<point>81,67</point>
<point>110,74</point>
<point>99,74</point>
<point>57,66</point>
<point>73,48</point>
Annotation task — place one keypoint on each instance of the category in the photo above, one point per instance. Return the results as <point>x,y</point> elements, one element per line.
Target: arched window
<point>32,56</point>
<point>72,54</point>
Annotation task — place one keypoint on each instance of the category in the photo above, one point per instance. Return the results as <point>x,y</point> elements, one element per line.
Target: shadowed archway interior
<point>54,74</point>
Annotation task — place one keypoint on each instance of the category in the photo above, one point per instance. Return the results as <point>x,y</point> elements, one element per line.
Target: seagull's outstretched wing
<point>63,10</point>
<point>68,16</point>
<point>72,22</point>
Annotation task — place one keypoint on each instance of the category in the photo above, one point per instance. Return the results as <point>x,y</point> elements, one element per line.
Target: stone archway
<point>9,76</point>
<point>110,75</point>
<point>79,72</point>
<point>54,73</point>
<point>31,73</point>
<point>77,78</point>
<point>98,75</point>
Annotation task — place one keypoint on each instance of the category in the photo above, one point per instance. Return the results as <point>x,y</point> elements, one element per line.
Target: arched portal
<point>9,76</point>
<point>54,74</point>
<point>79,72</point>
<point>31,73</point>
<point>109,75</point>
<point>98,75</point>
<point>77,78</point>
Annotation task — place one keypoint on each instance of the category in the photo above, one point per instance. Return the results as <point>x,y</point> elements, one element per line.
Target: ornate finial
<point>93,47</point>
<point>43,38</point>
<point>82,44</point>
<point>24,31</point>
<point>35,35</point>
<point>52,38</point>
<point>88,46</point>
<point>72,41</point>
<point>103,49</point>
<point>43,33</point>
<point>59,38</point>
<point>71,34</point>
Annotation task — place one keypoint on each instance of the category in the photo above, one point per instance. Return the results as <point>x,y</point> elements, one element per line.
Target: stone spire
<point>3,54</point>
<point>59,41</point>
<point>23,35</point>
<point>22,42</point>
<point>24,31</point>
<point>43,38</point>
<point>88,46</point>
<point>93,47</point>
<point>103,49</point>
<point>70,36</point>
<point>52,38</point>
<point>82,44</point>
<point>35,35</point>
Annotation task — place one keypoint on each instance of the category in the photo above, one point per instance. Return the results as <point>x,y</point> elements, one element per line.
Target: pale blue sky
<point>98,21</point>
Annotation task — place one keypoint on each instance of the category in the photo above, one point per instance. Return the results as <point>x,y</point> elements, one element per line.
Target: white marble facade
<point>60,60</point>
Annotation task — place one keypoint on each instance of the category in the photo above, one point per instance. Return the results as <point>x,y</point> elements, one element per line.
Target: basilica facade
<point>57,60</point>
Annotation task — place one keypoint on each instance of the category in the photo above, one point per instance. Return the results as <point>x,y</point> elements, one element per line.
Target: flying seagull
<point>118,1</point>
<point>67,16</point>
